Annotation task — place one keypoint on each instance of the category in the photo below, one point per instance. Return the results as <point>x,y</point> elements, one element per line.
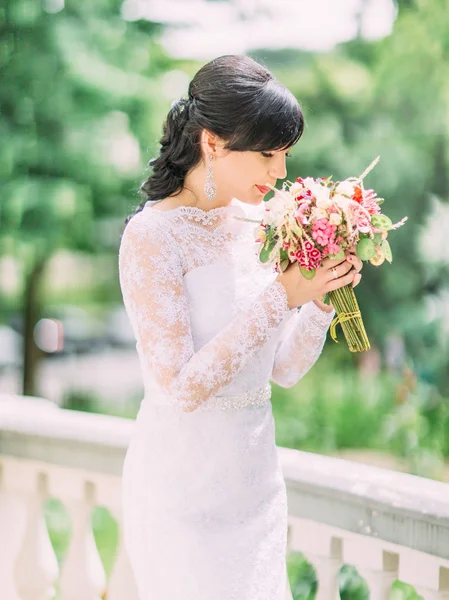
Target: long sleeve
<point>151,280</point>
<point>301,344</point>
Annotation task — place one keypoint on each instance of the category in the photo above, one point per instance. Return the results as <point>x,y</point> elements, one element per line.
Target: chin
<point>251,199</point>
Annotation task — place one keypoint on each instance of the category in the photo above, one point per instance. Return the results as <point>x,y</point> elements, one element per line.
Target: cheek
<point>240,170</point>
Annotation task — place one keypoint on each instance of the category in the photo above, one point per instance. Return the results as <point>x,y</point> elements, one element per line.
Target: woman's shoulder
<point>148,228</point>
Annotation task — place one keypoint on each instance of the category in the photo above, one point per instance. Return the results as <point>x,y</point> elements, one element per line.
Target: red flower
<point>315,255</point>
<point>358,195</point>
<point>308,246</point>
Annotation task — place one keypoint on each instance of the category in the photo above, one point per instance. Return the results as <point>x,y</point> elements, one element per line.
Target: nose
<point>278,169</point>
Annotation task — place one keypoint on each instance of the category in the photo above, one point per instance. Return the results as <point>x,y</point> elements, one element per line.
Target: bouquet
<point>313,219</point>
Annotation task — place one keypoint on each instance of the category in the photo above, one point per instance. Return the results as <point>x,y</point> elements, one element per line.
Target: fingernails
<point>350,259</point>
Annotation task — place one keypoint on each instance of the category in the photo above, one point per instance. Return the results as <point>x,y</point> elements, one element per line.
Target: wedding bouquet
<point>313,219</point>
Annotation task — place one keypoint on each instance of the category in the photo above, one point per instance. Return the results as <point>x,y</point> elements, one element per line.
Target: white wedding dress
<point>204,499</point>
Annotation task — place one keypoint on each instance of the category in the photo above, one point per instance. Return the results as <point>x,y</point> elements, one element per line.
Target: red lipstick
<point>263,189</point>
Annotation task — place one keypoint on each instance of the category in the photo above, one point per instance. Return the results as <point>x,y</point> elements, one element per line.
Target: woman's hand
<point>331,275</point>
<point>357,264</point>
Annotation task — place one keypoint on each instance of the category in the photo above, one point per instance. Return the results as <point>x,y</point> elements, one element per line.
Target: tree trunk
<point>31,314</point>
<point>441,174</point>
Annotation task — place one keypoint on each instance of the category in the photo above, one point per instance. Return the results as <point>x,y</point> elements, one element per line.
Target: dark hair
<point>237,99</point>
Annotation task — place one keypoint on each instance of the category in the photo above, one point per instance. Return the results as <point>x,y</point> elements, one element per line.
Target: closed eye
<point>270,154</point>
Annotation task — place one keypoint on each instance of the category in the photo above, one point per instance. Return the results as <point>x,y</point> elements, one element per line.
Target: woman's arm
<point>301,344</point>
<point>152,286</point>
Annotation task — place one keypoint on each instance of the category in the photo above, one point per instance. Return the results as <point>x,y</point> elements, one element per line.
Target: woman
<point>204,499</point>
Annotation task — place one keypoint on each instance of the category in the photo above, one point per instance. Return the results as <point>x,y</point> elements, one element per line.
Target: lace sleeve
<point>151,280</point>
<point>301,344</point>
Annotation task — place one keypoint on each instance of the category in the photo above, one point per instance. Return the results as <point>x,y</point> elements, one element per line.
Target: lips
<point>263,189</point>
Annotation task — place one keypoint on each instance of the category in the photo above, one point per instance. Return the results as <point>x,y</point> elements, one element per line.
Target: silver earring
<point>210,189</point>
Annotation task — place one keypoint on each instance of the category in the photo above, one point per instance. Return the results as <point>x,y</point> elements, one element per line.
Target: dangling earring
<point>210,189</point>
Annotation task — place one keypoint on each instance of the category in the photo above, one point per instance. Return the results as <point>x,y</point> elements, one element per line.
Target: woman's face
<point>245,175</point>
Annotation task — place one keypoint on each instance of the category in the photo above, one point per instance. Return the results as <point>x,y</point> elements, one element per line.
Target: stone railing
<point>389,525</point>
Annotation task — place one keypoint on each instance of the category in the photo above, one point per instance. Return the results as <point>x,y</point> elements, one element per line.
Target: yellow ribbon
<point>342,318</point>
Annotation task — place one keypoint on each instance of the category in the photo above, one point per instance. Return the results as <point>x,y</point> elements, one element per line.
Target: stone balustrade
<point>389,525</point>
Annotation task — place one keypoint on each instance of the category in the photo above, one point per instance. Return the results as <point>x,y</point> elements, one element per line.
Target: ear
<point>210,143</point>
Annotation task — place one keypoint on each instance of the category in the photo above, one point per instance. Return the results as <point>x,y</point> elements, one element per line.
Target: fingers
<point>355,262</point>
<point>336,272</point>
<point>347,279</point>
<point>356,280</point>
<point>352,259</point>
<point>328,263</point>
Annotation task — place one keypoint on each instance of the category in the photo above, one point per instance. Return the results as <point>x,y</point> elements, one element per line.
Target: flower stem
<point>345,302</point>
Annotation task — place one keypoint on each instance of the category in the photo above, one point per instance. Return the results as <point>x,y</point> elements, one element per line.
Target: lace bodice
<point>208,318</point>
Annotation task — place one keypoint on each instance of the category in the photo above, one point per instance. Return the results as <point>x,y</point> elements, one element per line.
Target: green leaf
<point>265,253</point>
<point>307,274</point>
<point>381,222</point>
<point>284,264</point>
<point>366,249</point>
<point>269,233</point>
<point>377,239</point>
<point>386,249</point>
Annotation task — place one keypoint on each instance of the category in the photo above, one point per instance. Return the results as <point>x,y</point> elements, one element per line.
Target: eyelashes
<point>270,154</point>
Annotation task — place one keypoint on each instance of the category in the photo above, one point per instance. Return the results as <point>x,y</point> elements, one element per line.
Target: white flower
<point>280,206</point>
<point>346,188</point>
<point>308,182</point>
<point>335,219</point>
<point>341,201</point>
<point>295,188</point>
<point>319,191</point>
<point>322,197</point>
<point>319,213</point>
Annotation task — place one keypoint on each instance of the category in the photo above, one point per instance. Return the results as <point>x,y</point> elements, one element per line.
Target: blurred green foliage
<point>81,109</point>
<point>335,407</point>
<point>82,103</point>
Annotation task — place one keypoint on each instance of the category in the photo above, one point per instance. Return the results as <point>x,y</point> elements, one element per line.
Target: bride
<point>204,499</point>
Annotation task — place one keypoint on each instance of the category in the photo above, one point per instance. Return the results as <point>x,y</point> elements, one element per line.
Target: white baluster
<point>83,576</point>
<point>323,549</point>
<point>121,583</point>
<point>13,517</point>
<point>378,567</point>
<point>31,568</point>
<point>429,575</point>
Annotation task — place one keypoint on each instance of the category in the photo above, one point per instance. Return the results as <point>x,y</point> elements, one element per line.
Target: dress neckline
<point>199,214</point>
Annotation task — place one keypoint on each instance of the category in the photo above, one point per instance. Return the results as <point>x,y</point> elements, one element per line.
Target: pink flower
<point>369,202</point>
<point>361,221</point>
<point>332,249</point>
<point>323,232</point>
